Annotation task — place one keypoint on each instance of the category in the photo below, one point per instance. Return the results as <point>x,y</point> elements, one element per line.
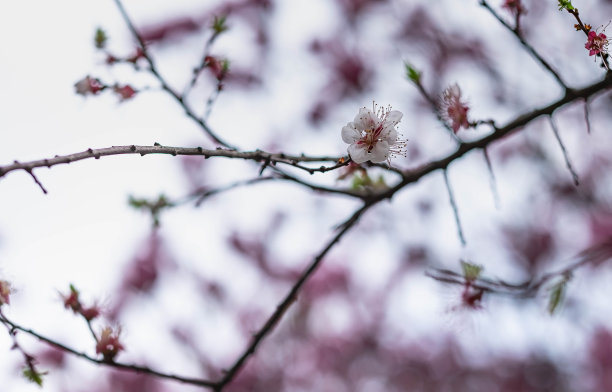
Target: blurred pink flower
<point>452,109</point>
<point>88,85</point>
<point>124,92</point>
<point>5,292</point>
<point>108,345</point>
<point>372,135</point>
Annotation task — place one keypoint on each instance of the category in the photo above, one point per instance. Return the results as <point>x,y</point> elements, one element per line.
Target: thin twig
<point>568,163</point>
<point>492,180</point>
<point>284,305</point>
<point>586,115</point>
<point>436,109</point>
<point>36,180</point>
<point>594,255</point>
<point>200,196</point>
<point>527,47</point>
<point>453,204</point>
<point>177,97</point>
<point>116,365</point>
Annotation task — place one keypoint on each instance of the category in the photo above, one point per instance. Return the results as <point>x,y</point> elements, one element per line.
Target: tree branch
<point>289,299</point>
<point>527,47</point>
<point>257,155</point>
<point>180,99</point>
<point>116,365</point>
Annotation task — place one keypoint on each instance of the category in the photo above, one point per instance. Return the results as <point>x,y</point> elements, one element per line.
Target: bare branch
<point>527,47</point>
<point>292,160</point>
<point>116,365</point>
<point>594,255</point>
<point>568,163</point>
<point>180,99</point>
<point>453,204</point>
<point>492,180</point>
<point>289,299</point>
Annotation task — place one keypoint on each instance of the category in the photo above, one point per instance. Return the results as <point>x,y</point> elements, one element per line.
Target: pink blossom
<point>452,109</point>
<point>124,92</point>
<point>88,85</point>
<point>596,43</point>
<point>108,344</point>
<point>5,292</point>
<point>90,313</point>
<point>218,67</point>
<point>372,135</point>
<point>71,301</point>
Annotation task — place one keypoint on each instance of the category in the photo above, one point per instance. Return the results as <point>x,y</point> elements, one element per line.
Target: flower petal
<point>380,152</point>
<point>364,119</point>
<point>350,134</point>
<point>394,117</point>
<point>358,153</point>
<point>389,134</point>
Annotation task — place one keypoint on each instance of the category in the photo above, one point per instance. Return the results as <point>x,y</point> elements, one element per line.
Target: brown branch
<point>595,255</point>
<point>414,175</point>
<point>284,305</point>
<point>492,180</point>
<point>292,160</point>
<point>453,203</point>
<point>180,99</point>
<point>568,163</point>
<point>524,43</point>
<point>116,365</point>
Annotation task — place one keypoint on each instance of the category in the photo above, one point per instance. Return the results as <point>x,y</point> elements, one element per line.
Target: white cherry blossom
<point>372,135</point>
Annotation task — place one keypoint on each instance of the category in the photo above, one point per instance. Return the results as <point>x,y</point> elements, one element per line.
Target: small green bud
<point>33,375</point>
<point>100,38</point>
<point>556,296</point>
<point>566,4</point>
<point>471,271</point>
<point>412,74</point>
<point>219,25</point>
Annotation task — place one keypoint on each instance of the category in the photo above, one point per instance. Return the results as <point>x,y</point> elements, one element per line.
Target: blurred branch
<point>287,301</point>
<point>594,255</point>
<point>455,208</point>
<point>527,47</point>
<point>180,99</point>
<point>116,365</point>
<point>413,175</point>
<point>568,163</point>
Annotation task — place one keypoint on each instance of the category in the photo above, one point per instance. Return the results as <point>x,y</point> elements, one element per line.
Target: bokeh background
<point>189,293</point>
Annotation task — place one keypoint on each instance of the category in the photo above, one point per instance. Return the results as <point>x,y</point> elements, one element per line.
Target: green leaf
<point>31,374</point>
<point>556,296</point>
<point>412,74</point>
<point>471,271</point>
<point>219,25</point>
<point>100,38</point>
<point>74,290</point>
<point>566,4</point>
